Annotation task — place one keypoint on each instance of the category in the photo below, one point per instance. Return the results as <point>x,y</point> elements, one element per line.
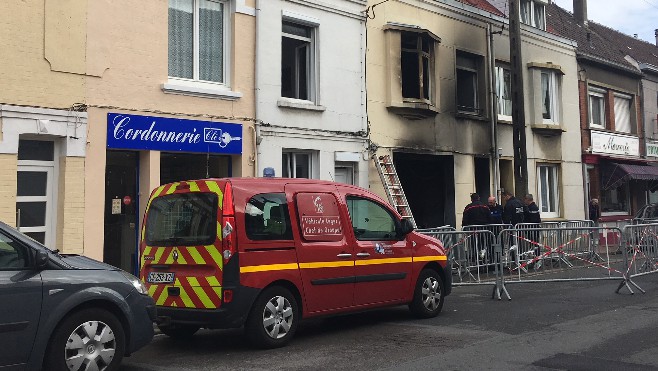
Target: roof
<point>600,42</point>
<point>484,5</point>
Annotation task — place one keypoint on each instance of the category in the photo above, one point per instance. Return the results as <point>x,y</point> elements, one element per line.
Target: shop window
<point>547,189</point>
<point>197,34</point>
<point>297,61</point>
<point>533,13</point>
<point>175,167</point>
<point>615,201</point>
<point>267,218</point>
<point>297,164</point>
<point>416,65</point>
<point>469,76</point>
<point>504,92</point>
<point>370,220</point>
<point>623,113</point>
<point>549,97</point>
<point>597,108</point>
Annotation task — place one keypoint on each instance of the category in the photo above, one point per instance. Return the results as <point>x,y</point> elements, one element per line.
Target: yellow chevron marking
<point>194,187</point>
<point>268,267</point>
<point>212,281</point>
<point>383,261</point>
<point>195,255</point>
<point>162,298</point>
<point>158,191</point>
<point>349,263</point>
<point>184,296</point>
<point>214,187</point>
<point>218,291</point>
<point>173,188</point>
<point>158,254</point>
<point>430,258</point>
<point>216,255</point>
<point>207,303</point>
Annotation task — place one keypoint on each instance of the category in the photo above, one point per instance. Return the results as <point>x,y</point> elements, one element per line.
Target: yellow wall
<point>9,166</point>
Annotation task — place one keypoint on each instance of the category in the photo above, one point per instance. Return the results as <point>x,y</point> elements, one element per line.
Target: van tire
<point>178,331</point>
<point>71,331</point>
<point>273,318</point>
<point>428,295</point>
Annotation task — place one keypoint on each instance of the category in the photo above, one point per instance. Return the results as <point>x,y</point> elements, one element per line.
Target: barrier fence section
<point>470,254</point>
<point>640,250</point>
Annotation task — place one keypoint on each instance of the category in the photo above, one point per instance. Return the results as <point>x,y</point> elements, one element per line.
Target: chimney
<point>656,33</point>
<point>580,11</point>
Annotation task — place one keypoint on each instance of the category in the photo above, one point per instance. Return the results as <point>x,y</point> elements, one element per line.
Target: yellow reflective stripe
<point>203,297</point>
<point>268,267</point>
<point>218,291</point>
<point>163,296</point>
<point>349,263</point>
<point>158,191</point>
<point>198,259</point>
<point>158,254</point>
<point>152,289</point>
<point>432,258</point>
<point>212,281</point>
<point>184,296</point>
<point>219,230</point>
<point>194,187</point>
<point>172,189</point>
<point>383,261</point>
<point>214,187</point>
<point>216,256</point>
<point>193,281</point>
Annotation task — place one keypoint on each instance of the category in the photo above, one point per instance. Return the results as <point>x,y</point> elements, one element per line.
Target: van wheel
<point>178,331</point>
<point>428,295</point>
<point>273,319</point>
<point>91,339</point>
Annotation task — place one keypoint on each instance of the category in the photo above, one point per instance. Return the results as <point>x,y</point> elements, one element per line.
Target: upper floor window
<point>533,13</point>
<point>504,91</point>
<point>549,96</point>
<point>297,61</point>
<point>623,113</point>
<point>469,76</point>
<point>596,108</point>
<point>547,188</point>
<point>196,39</point>
<point>415,65</point>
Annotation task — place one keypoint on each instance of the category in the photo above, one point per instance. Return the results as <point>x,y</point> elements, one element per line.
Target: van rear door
<point>180,260</point>
<point>326,260</point>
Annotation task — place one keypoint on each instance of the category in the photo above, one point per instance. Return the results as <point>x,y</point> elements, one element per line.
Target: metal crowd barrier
<point>549,252</point>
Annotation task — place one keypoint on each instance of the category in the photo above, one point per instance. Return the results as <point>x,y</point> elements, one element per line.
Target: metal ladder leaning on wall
<point>393,187</point>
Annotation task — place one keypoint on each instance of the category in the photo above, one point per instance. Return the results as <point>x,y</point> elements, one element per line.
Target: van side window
<point>266,217</point>
<point>12,256</point>
<point>370,220</point>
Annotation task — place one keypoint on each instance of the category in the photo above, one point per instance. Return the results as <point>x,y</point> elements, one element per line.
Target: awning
<point>617,174</point>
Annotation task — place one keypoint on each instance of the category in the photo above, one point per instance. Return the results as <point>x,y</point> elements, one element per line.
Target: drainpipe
<point>495,155</point>
<point>256,131</point>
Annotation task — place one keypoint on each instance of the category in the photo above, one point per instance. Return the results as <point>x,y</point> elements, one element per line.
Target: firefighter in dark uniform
<point>531,210</point>
<point>513,209</point>
<point>476,213</point>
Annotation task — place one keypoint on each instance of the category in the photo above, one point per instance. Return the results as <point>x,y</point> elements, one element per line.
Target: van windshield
<point>185,219</point>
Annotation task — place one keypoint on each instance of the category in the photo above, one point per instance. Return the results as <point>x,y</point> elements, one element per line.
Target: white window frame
<point>553,202</point>
<point>500,92</point>
<point>629,100</point>
<point>312,68</point>
<point>292,164</point>
<point>195,86</point>
<point>554,95</point>
<point>594,93</point>
<point>532,6</point>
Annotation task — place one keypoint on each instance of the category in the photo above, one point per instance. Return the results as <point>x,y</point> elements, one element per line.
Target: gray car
<point>67,312</point>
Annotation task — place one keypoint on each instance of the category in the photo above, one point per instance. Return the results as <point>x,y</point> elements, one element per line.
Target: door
<point>382,261</point>
<point>326,260</point>
<point>121,205</point>
<point>34,201</point>
<point>344,173</point>
<point>20,302</point>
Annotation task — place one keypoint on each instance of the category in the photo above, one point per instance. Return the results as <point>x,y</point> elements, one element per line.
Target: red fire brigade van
<point>265,252</point>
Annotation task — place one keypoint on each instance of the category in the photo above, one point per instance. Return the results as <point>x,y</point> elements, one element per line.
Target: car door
<point>325,258</point>
<point>20,302</point>
<point>383,261</point>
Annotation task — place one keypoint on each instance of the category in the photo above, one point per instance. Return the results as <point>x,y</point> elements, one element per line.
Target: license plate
<point>160,277</point>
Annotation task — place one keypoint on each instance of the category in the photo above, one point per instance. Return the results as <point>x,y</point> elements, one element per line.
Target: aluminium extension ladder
<point>393,187</point>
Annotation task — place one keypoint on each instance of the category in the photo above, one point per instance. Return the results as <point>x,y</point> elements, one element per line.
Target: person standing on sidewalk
<point>495,211</point>
<point>594,211</point>
<point>513,209</point>
<point>475,213</point>
<point>531,212</point>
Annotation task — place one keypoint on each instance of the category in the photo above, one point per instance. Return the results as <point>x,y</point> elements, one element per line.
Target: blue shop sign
<point>172,135</point>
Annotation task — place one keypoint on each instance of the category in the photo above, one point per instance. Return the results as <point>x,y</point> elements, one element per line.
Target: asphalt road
<point>547,326</point>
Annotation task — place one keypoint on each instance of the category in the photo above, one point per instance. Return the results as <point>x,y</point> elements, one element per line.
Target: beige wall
<point>72,205</point>
<point>9,166</point>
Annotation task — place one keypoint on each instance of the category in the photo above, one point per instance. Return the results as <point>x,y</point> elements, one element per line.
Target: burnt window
<point>469,81</point>
<point>415,65</point>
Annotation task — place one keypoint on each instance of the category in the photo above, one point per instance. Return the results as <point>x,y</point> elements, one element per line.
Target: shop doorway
<point>121,219</point>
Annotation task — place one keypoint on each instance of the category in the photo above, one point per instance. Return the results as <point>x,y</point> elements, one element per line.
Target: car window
<point>370,220</point>
<point>266,217</point>
<point>12,255</point>
<point>182,219</point>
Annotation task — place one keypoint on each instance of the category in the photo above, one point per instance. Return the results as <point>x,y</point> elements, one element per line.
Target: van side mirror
<point>41,260</point>
<point>406,227</point>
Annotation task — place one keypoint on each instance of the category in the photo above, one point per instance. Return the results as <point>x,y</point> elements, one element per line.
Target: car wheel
<point>91,339</point>
<point>273,318</point>
<point>178,331</point>
<point>428,295</point>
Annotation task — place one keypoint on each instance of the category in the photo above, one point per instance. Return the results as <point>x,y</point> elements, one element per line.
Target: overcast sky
<point>628,16</point>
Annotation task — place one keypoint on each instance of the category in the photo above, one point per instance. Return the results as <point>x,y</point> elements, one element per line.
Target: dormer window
<point>533,13</point>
